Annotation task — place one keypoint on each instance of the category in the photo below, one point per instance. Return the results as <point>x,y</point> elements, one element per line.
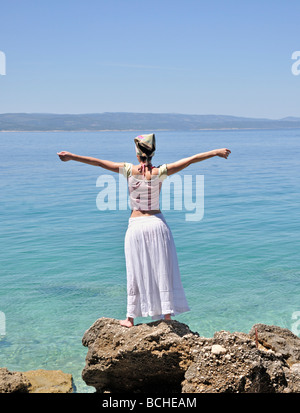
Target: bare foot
<point>168,317</point>
<point>127,323</point>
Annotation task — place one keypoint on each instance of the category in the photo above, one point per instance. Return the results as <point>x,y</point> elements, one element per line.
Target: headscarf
<point>145,145</point>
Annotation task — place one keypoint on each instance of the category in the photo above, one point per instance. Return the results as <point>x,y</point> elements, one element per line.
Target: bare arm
<point>110,165</point>
<point>185,162</point>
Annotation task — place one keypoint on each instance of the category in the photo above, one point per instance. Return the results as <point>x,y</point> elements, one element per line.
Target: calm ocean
<point>62,262</point>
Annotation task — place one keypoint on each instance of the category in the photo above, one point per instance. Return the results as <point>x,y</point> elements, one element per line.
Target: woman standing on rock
<point>154,286</point>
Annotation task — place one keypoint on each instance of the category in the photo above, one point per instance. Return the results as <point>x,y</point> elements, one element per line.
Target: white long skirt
<point>154,286</point>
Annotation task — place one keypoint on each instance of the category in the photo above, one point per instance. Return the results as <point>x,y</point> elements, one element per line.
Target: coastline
<point>131,121</point>
<point>154,130</point>
<point>167,357</point>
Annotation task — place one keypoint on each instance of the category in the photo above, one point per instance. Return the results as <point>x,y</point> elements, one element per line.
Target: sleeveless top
<point>144,193</point>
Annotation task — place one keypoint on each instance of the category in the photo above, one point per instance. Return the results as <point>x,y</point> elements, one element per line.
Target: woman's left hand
<point>223,153</point>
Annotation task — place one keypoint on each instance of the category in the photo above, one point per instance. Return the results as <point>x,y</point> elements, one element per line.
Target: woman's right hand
<point>65,156</point>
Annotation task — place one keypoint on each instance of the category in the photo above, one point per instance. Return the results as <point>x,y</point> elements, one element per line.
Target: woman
<point>154,286</point>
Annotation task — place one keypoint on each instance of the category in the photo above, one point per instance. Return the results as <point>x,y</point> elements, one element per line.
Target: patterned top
<point>144,193</point>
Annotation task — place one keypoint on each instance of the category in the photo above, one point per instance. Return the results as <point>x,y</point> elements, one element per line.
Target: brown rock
<point>35,381</point>
<point>13,382</point>
<point>280,340</point>
<point>49,381</point>
<point>241,369</point>
<point>164,357</point>
<point>150,356</point>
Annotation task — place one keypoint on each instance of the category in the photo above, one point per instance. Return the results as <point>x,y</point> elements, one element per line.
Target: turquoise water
<point>62,261</point>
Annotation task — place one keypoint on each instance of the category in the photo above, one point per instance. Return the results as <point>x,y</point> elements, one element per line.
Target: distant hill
<point>135,121</point>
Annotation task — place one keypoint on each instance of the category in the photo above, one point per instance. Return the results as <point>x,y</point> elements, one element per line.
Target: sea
<point>62,263</point>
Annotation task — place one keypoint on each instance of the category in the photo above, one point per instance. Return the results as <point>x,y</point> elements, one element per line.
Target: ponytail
<point>146,159</point>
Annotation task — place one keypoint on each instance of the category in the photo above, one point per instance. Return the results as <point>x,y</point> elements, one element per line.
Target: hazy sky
<point>160,56</point>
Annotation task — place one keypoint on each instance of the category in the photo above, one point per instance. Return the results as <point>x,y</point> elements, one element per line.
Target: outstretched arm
<point>111,166</point>
<point>183,163</point>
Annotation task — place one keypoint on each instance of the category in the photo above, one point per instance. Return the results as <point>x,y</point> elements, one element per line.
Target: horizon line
<point>288,117</point>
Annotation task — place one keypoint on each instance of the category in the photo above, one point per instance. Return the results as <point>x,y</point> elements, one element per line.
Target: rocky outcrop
<point>150,356</point>
<point>49,381</point>
<point>279,340</point>
<point>35,381</point>
<point>13,382</point>
<point>167,357</point>
<point>236,366</point>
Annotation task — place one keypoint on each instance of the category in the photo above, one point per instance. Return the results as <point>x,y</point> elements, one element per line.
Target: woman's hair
<point>146,159</point>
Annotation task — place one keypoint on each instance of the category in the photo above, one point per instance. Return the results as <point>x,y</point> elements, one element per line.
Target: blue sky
<point>160,56</point>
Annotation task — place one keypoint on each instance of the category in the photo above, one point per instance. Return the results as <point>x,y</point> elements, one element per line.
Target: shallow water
<point>62,260</point>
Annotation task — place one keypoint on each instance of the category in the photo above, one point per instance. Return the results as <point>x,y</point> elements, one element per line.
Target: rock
<point>293,378</point>
<point>280,340</point>
<point>166,356</point>
<point>35,381</point>
<point>150,356</point>
<point>248,370</point>
<point>49,381</point>
<point>295,368</point>
<point>13,382</point>
<point>217,349</point>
